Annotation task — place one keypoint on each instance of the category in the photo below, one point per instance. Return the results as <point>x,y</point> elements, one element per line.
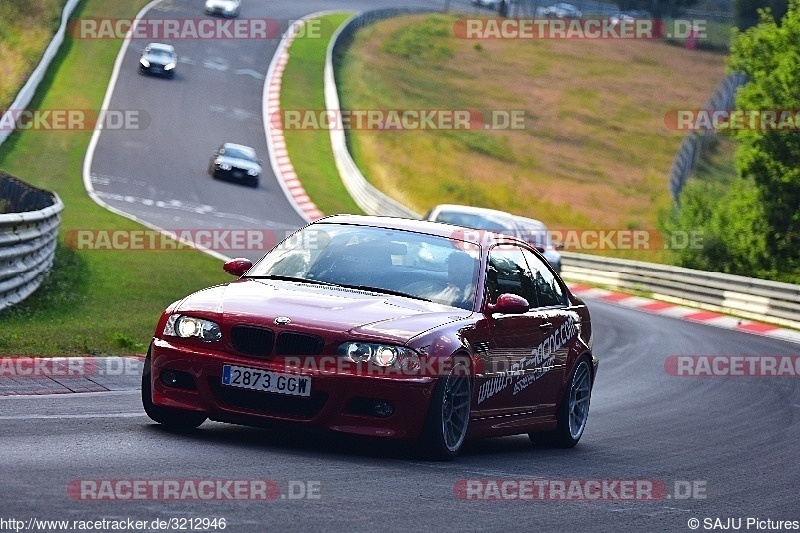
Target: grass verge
<point>302,89</point>
<point>25,32</point>
<point>594,152</point>
<point>93,302</point>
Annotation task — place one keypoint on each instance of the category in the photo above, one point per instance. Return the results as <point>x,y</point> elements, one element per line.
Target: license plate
<point>263,380</point>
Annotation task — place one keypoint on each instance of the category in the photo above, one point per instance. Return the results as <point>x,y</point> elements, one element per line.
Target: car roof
<point>471,209</point>
<point>161,46</point>
<point>241,147</point>
<point>439,229</point>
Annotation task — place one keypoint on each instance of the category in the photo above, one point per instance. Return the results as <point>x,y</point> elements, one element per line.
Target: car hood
<point>238,163</point>
<point>322,310</point>
<point>158,59</point>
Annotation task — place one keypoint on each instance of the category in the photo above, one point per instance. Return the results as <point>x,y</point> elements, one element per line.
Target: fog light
<point>177,379</point>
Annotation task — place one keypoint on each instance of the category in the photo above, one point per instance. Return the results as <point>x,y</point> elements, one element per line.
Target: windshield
<point>237,153</point>
<point>426,267</point>
<point>157,53</point>
<point>475,221</point>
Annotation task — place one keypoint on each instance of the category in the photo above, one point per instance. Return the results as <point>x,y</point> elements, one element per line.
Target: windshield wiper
<point>384,291</point>
<point>291,278</point>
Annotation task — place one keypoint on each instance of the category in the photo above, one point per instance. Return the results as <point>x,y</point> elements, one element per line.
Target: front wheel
<point>573,411</point>
<point>448,416</point>
<point>170,418</point>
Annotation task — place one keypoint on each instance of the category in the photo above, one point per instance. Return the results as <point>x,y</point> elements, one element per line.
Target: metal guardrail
<point>28,231</point>
<point>692,145</point>
<point>25,95</point>
<point>738,295</point>
<point>367,197</point>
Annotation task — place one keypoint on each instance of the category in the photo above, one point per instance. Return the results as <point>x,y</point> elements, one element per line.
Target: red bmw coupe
<point>386,327</point>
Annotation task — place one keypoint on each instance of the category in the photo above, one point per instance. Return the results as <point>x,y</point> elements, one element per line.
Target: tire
<point>573,412</point>
<point>175,419</point>
<point>448,416</point>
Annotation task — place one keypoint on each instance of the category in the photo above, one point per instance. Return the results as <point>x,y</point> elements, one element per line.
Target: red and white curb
<point>685,313</point>
<point>279,156</point>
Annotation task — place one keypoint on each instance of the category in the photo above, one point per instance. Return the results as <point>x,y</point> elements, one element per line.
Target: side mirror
<point>238,266</point>
<point>509,304</point>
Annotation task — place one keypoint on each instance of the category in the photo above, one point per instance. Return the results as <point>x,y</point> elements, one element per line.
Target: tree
<point>769,54</point>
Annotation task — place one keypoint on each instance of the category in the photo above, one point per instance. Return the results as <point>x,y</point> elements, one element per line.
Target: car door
<point>511,338</point>
<point>547,367</point>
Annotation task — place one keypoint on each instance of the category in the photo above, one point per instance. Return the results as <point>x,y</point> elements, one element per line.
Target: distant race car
<point>529,230</point>
<point>563,10</point>
<point>225,8</point>
<point>387,327</point>
<point>236,162</point>
<point>491,4</point>
<point>159,59</point>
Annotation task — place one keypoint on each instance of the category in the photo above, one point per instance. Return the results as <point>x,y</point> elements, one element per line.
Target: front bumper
<point>221,11</point>
<point>157,70</point>
<point>337,401</point>
<point>236,174</point>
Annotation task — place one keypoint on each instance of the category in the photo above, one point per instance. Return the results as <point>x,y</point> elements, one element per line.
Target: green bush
<point>430,40</point>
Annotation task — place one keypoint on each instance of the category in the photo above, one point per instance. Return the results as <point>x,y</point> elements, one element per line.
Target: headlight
<point>169,66</point>
<point>223,166</point>
<point>145,63</point>
<point>187,326</point>
<point>383,355</point>
<point>252,172</point>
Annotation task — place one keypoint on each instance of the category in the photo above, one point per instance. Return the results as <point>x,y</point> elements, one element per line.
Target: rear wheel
<point>573,411</point>
<point>448,416</point>
<point>170,418</point>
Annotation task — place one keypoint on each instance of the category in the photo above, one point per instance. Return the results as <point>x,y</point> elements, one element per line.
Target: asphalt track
<point>159,173</point>
<point>734,439</point>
